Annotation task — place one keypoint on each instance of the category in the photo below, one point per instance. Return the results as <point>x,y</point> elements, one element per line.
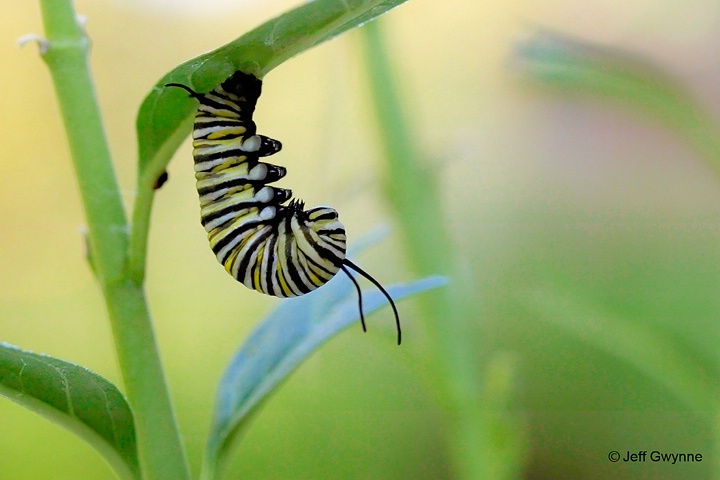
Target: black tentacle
<point>362,272</point>
<point>359,292</point>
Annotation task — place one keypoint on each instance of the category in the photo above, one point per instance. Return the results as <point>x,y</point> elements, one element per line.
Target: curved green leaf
<point>572,65</point>
<point>76,398</point>
<point>279,345</point>
<point>166,114</point>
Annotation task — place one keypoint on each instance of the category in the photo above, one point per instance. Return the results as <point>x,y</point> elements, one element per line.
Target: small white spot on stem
<point>43,44</point>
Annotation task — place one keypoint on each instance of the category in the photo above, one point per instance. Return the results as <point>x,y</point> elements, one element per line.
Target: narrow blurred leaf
<point>280,344</point>
<point>650,352</point>
<point>165,116</point>
<point>76,398</point>
<point>570,65</point>
<point>567,63</point>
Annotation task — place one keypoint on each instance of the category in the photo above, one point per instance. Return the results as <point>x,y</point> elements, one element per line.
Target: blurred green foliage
<point>589,225</point>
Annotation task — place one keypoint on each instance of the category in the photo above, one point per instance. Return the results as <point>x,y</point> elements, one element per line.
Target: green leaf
<point>165,116</point>
<point>571,65</point>
<point>76,398</point>
<point>279,345</point>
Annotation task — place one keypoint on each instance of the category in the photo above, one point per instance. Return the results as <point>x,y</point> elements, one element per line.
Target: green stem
<point>412,190</point>
<point>66,58</point>
<point>161,453</point>
<point>409,185</point>
<point>160,450</point>
<point>137,252</point>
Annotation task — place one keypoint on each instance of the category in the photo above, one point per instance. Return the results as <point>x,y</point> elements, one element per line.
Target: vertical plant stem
<point>137,249</point>
<point>66,58</point>
<point>161,453</point>
<point>160,450</point>
<point>412,190</point>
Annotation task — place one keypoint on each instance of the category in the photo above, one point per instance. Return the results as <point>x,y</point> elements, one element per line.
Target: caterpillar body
<point>275,248</point>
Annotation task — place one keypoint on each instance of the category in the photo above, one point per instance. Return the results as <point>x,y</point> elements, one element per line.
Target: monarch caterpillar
<point>276,249</point>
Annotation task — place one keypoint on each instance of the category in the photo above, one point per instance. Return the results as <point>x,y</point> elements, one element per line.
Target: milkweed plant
<point>136,431</point>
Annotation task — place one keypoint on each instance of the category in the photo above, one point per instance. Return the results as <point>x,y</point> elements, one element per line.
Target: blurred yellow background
<point>539,189</point>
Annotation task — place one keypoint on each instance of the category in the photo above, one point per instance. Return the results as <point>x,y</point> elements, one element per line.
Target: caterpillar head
<point>319,235</point>
<point>321,238</point>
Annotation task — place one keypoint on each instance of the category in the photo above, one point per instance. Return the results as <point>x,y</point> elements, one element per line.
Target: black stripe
<point>238,207</point>
<point>280,195</point>
<point>232,235</point>
<point>329,232</point>
<point>225,136</point>
<point>254,245</point>
<point>325,216</point>
<point>318,266</point>
<point>220,122</point>
<point>250,127</point>
<point>294,265</point>
<point>227,153</point>
<point>272,268</point>
<point>230,105</point>
<point>322,251</point>
<point>250,275</point>
<point>231,183</point>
